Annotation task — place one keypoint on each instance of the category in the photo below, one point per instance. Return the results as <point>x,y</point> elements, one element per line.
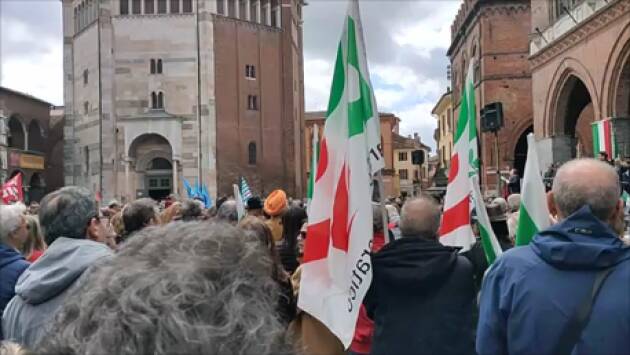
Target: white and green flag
<point>314,160</point>
<point>533,215</point>
<point>337,271</point>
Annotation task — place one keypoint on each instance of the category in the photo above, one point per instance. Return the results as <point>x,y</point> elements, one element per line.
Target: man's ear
<point>92,229</point>
<point>551,204</point>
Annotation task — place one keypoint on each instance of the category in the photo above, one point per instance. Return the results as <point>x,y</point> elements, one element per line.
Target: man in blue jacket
<point>531,292</point>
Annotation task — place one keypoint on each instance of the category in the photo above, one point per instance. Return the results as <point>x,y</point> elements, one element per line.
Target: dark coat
<point>12,265</point>
<point>514,184</point>
<point>531,291</point>
<point>421,299</point>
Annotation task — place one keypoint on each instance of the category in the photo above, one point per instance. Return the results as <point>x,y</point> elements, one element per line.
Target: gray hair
<point>227,212</point>
<point>184,288</point>
<point>191,210</point>
<point>11,217</point>
<point>600,189</point>
<point>10,348</point>
<point>420,216</point>
<point>67,213</point>
<point>139,214</point>
<point>377,217</point>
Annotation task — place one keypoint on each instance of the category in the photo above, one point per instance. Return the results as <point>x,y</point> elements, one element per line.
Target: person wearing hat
<point>255,207</point>
<point>275,206</point>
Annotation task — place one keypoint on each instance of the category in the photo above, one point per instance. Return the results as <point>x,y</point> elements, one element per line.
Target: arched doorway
<point>153,166</point>
<point>574,115</point>
<point>16,138</point>
<point>159,178</point>
<point>37,188</point>
<point>520,150</point>
<point>35,137</point>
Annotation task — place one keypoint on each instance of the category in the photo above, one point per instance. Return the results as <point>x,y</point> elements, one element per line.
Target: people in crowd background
<point>171,213</point>
<point>75,234</point>
<point>275,206</point>
<point>292,221</point>
<point>191,210</point>
<point>514,182</point>
<point>255,207</point>
<point>13,235</point>
<point>33,208</point>
<point>422,294</point>
<point>184,288</point>
<point>536,291</point>
<point>514,204</point>
<point>286,300</point>
<point>34,246</point>
<point>227,212</point>
<point>140,214</point>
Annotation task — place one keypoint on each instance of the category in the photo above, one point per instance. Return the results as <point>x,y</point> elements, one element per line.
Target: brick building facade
<point>580,59</point>
<point>31,143</point>
<point>157,91</point>
<point>495,34</point>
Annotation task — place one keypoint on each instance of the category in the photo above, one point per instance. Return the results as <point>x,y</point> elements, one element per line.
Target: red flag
<point>11,191</point>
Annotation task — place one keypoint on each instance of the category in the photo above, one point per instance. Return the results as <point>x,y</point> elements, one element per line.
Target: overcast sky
<point>406,46</point>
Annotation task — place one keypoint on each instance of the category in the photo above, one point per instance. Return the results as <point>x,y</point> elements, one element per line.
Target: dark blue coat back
<point>12,265</point>
<point>531,292</point>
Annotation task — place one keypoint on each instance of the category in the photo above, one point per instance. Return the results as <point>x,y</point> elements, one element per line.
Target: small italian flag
<point>533,215</point>
<point>604,138</point>
<point>314,160</point>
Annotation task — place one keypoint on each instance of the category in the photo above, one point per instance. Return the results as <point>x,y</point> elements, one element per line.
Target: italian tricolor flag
<point>604,138</point>
<point>337,270</point>
<point>533,215</point>
<point>463,184</point>
<point>314,159</point>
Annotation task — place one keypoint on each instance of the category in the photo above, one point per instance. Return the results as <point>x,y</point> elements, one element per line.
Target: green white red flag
<point>337,270</point>
<point>489,242</point>
<point>455,229</point>
<point>604,138</point>
<point>314,159</point>
<point>533,215</point>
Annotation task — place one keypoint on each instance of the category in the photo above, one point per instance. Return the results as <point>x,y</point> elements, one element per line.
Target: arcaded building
<point>580,59</point>
<point>157,91</point>
<point>495,34</point>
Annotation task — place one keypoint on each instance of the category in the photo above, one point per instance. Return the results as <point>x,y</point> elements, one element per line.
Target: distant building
<point>157,91</point>
<point>496,35</point>
<point>412,177</point>
<point>580,60</point>
<point>389,127</point>
<point>29,141</point>
<point>443,112</point>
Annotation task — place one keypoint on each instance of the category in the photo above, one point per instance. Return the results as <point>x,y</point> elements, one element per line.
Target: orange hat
<point>276,203</point>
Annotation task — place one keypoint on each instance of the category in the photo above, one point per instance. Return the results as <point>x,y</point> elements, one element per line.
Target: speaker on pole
<point>492,117</point>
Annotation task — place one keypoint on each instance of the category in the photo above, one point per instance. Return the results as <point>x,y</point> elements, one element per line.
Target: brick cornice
<point>590,26</point>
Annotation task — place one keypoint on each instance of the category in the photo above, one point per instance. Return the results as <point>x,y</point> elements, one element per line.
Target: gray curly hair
<point>66,213</point>
<point>184,288</point>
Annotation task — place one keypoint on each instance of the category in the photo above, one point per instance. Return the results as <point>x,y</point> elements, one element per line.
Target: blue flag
<point>189,189</point>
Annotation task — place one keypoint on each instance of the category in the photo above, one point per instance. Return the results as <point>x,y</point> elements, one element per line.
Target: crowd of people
<point>177,278</point>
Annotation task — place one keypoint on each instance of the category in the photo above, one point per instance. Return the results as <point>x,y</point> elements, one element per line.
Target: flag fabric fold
<point>11,191</point>
<point>604,138</point>
<point>313,167</point>
<point>455,229</point>
<point>246,192</point>
<point>489,241</point>
<point>240,206</point>
<point>337,271</point>
<point>533,215</point>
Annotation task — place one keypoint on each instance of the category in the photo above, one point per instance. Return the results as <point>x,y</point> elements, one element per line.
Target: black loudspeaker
<point>417,157</point>
<point>492,117</point>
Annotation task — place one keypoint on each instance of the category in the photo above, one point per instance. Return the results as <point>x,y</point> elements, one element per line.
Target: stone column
<point>277,12</point>
<point>268,12</point>
<point>258,11</point>
<point>175,178</point>
<point>128,195</point>
<point>248,10</point>
<point>237,9</point>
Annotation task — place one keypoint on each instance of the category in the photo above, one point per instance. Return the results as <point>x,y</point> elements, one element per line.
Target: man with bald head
<point>568,289</point>
<point>422,294</point>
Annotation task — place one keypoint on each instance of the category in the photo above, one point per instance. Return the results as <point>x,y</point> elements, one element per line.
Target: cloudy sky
<point>406,45</point>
